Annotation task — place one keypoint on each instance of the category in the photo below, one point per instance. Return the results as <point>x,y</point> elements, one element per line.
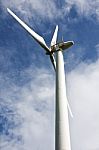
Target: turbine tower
<point>62,134</point>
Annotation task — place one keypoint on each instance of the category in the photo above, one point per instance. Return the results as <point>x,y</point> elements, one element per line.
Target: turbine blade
<point>54,39</point>
<point>53,61</point>
<point>71,114</point>
<point>37,37</point>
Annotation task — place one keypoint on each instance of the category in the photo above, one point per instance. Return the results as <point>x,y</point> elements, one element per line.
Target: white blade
<point>53,61</point>
<point>37,37</point>
<point>54,39</point>
<point>69,109</point>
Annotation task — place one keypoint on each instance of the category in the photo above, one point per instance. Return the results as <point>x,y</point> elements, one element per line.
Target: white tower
<point>62,134</point>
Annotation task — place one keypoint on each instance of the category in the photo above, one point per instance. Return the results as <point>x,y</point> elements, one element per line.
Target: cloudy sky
<point>27,78</point>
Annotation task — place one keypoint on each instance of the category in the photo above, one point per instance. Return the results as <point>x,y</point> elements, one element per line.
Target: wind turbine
<point>62,134</point>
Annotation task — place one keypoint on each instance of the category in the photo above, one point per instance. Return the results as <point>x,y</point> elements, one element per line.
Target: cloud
<point>83,85</point>
<point>39,8</point>
<point>29,109</point>
<point>49,10</point>
<point>85,8</point>
<point>27,118</point>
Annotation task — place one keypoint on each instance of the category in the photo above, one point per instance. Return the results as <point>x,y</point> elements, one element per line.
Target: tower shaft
<point>62,135</point>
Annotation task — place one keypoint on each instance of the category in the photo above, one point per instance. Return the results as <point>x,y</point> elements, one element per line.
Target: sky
<point>27,78</point>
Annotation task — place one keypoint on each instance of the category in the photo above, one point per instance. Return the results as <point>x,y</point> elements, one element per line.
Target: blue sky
<point>27,81</point>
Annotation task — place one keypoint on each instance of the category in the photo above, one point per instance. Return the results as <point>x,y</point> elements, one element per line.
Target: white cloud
<point>87,8</point>
<point>83,93</point>
<point>34,105</point>
<point>42,9</point>
<point>34,8</point>
<point>36,12</point>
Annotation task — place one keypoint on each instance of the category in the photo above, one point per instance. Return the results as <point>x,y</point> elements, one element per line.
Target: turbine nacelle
<point>61,46</point>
